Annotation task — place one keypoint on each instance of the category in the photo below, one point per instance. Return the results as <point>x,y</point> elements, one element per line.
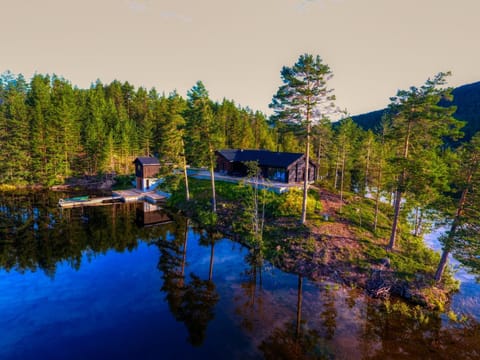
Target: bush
<point>290,203</point>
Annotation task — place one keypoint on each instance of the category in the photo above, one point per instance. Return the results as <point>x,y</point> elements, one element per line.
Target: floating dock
<point>87,201</point>
<point>131,195</point>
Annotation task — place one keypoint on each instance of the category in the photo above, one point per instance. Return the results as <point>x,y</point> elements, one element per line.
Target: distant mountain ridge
<point>466,98</point>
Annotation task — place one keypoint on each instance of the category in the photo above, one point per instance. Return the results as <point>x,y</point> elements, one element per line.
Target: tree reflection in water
<point>391,334</point>
<point>329,313</point>
<point>294,340</point>
<point>209,238</point>
<point>316,323</point>
<point>251,300</point>
<point>191,302</point>
<point>36,234</point>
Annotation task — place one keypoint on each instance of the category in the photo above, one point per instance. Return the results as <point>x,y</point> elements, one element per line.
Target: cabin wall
<point>146,171</point>
<point>150,171</point>
<point>296,171</point>
<point>223,165</point>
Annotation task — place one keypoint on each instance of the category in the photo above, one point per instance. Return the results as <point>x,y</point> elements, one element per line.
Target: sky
<point>238,48</point>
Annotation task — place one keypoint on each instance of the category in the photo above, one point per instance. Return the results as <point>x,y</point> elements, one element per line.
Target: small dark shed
<point>146,171</point>
<point>276,166</point>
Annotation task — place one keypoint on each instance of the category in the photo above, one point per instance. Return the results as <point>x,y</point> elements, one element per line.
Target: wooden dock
<point>131,195</point>
<point>100,201</point>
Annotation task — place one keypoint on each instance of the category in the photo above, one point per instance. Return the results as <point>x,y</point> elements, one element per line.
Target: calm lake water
<point>123,282</point>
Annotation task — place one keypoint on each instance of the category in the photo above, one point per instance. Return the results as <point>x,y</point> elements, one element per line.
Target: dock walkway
<point>97,201</point>
<point>131,195</point>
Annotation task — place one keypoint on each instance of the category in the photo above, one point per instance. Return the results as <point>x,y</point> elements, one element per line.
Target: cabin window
<point>277,174</point>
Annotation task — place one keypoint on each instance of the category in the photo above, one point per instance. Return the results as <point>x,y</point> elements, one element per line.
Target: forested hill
<point>466,98</point>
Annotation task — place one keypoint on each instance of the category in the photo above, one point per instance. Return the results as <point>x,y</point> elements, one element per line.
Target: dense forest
<point>51,131</point>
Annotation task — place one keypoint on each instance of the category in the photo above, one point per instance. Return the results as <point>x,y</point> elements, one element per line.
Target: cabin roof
<point>263,157</point>
<point>147,160</point>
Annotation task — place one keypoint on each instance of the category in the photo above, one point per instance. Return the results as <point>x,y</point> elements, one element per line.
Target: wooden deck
<point>154,198</point>
<point>131,195</point>
<point>100,201</point>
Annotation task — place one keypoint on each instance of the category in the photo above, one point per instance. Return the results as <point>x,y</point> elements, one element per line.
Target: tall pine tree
<point>304,99</point>
<point>419,127</point>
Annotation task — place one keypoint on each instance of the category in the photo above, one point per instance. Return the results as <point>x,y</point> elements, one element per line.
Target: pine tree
<point>463,237</point>
<point>202,132</point>
<point>304,99</point>
<point>142,115</point>
<point>94,130</point>
<point>322,138</point>
<point>346,143</point>
<point>65,127</point>
<point>419,126</point>
<point>381,152</point>
<point>15,134</point>
<point>39,103</point>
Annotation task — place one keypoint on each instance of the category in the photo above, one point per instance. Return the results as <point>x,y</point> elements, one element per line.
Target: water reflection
<point>293,339</point>
<point>36,234</point>
<point>219,298</point>
<point>191,301</point>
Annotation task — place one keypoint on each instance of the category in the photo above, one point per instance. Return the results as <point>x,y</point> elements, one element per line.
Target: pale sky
<point>237,48</point>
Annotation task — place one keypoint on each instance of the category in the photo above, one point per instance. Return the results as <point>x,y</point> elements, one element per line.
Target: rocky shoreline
<point>332,252</point>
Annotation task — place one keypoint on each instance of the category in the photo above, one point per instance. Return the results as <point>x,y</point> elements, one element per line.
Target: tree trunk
<point>187,191</point>
<point>210,272</point>
<point>453,230</point>
<point>305,180</point>
<point>184,257</point>
<point>442,265</point>
<point>342,177</point>
<point>299,306</point>
<point>319,155</point>
<point>418,221</point>
<point>396,215</point>
<point>212,178</point>
<point>377,198</point>
<point>336,170</point>
<point>367,169</point>
<point>399,192</point>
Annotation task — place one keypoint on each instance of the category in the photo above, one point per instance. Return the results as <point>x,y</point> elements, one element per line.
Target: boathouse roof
<point>147,160</point>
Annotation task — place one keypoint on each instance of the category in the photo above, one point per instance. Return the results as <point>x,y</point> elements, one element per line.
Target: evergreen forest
<point>51,131</point>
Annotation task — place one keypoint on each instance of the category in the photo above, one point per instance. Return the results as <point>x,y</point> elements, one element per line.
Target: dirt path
<point>335,229</point>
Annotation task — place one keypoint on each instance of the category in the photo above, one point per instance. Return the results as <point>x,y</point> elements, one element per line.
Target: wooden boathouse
<point>146,172</point>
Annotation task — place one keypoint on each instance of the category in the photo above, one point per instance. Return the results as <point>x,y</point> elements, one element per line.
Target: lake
<point>127,281</point>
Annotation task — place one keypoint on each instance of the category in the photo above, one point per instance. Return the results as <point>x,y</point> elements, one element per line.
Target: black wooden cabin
<point>275,166</point>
